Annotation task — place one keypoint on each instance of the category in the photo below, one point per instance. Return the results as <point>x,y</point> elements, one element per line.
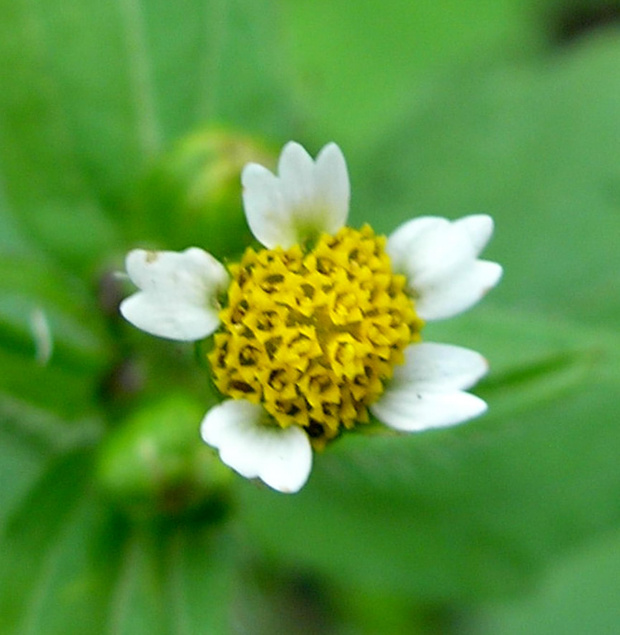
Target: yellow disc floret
<point>313,336</point>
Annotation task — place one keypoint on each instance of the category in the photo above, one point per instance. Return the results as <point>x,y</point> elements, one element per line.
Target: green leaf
<point>20,464</point>
<point>577,595</point>
<point>38,297</point>
<point>357,71</point>
<point>54,348</point>
<point>81,117</point>
<point>248,80</point>
<point>90,570</point>
<point>13,240</point>
<point>43,171</point>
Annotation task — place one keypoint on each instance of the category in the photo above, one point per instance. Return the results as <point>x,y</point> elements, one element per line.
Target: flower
<point>322,325</point>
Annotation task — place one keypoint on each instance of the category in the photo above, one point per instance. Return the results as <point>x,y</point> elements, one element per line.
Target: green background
<point>126,123</point>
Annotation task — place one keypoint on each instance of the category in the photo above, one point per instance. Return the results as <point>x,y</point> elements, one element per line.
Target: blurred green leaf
<point>67,392</point>
<point>71,565</point>
<point>21,462</point>
<point>578,595</point>
<point>358,69</point>
<point>81,116</point>
<point>13,239</point>
<point>54,347</point>
<point>44,175</point>
<point>66,307</point>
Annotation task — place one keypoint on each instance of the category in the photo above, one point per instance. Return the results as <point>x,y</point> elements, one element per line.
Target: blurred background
<point>126,123</point>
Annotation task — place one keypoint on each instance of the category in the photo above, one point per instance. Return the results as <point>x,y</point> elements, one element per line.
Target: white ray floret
<point>440,260</point>
<point>305,199</point>
<point>178,293</point>
<point>427,391</point>
<point>250,445</point>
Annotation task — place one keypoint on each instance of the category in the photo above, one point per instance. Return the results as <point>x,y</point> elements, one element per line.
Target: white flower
<point>180,292</point>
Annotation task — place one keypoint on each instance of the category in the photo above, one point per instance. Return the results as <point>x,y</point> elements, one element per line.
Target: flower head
<point>323,325</point>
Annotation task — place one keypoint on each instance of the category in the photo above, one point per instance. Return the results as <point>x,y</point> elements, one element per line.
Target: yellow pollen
<point>313,336</point>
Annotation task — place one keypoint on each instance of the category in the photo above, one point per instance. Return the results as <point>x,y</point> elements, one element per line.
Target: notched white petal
<point>479,228</point>
<point>439,367</point>
<point>250,445</point>
<point>184,323</point>
<point>177,297</point>
<point>403,240</point>
<point>417,410</point>
<point>264,207</point>
<point>440,260</point>
<point>296,176</point>
<point>427,391</point>
<point>445,298</point>
<point>332,184</point>
<point>305,198</point>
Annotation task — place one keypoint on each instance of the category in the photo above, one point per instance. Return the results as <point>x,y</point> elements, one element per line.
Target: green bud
<point>192,196</point>
<point>155,463</point>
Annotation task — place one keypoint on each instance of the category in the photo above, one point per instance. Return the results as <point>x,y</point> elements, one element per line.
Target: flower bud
<point>154,463</point>
<point>192,196</point>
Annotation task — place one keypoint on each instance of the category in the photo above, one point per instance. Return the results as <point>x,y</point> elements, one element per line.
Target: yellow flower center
<point>314,335</point>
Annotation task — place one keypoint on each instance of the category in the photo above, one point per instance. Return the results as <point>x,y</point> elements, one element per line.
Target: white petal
<point>296,175</point>
<point>435,249</point>
<point>444,298</point>
<point>427,391</point>
<point>414,411</point>
<point>185,323</point>
<point>479,227</point>
<point>404,239</point>
<point>178,293</point>
<point>305,199</point>
<point>440,367</point>
<point>264,207</point>
<point>439,259</point>
<point>332,183</point>
<point>251,445</point>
